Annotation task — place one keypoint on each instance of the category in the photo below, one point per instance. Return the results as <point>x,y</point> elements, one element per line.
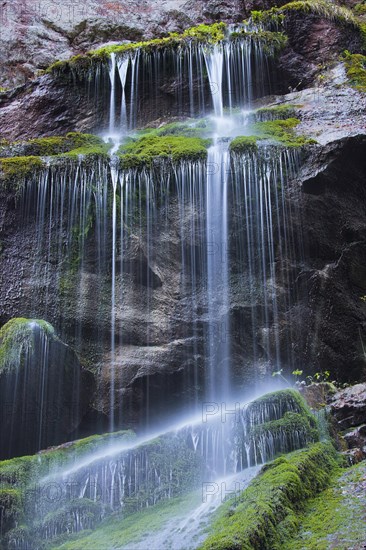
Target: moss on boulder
<point>43,390</point>
<point>266,513</point>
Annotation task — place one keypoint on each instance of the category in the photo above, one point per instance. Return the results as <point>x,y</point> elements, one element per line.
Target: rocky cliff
<point>322,326</point>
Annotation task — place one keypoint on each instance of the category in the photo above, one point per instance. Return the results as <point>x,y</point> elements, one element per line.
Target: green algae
<point>265,514</point>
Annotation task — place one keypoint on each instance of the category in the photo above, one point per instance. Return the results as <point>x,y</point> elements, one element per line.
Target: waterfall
<point>217,270</point>
<point>214,58</point>
<point>130,475</point>
<point>189,260</point>
<point>238,70</point>
<point>112,107</point>
<point>122,65</point>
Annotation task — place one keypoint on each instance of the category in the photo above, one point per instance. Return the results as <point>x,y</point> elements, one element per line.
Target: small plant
<point>318,377</point>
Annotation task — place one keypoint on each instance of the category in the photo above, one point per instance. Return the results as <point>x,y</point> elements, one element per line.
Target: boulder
<point>349,407</point>
<point>44,392</point>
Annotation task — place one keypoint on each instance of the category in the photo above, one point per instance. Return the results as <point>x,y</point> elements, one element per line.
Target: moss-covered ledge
<point>281,132</point>
<point>22,160</point>
<point>355,65</point>
<point>265,515</point>
<point>143,151</point>
<point>207,34</point>
<point>272,42</point>
<point>275,18</point>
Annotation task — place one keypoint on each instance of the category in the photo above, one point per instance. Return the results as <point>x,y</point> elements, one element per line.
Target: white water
<point>202,192</point>
<point>190,531</point>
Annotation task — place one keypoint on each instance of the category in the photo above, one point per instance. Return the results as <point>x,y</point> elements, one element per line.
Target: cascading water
<point>216,233</point>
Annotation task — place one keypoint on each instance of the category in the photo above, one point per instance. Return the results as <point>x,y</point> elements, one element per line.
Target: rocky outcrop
<point>40,380</point>
<point>334,232</point>
<point>44,106</point>
<point>74,28</point>
<point>348,408</point>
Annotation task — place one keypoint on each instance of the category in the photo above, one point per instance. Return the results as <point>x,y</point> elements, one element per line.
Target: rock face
<point>40,380</point>
<point>34,35</point>
<point>348,408</point>
<point>42,106</point>
<point>323,324</point>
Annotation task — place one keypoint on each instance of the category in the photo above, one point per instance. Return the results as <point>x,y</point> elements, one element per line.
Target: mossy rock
<point>146,150</point>
<point>81,64</point>
<point>276,16</point>
<point>244,144</point>
<point>355,65</point>
<point>11,508</point>
<point>43,390</point>
<point>264,515</point>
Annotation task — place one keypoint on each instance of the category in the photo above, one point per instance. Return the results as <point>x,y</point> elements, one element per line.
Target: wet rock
<point>356,438</point>
<point>349,409</point>
<point>354,456</point>
<point>317,395</point>
<point>44,393</point>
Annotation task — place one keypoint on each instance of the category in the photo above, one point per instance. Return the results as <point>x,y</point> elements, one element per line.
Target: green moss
<point>327,518</point>
<point>323,8</point>
<point>118,531</point>
<point>360,8</point>
<point>11,508</point>
<point>82,63</point>
<point>282,131</point>
<point>272,42</point>
<point>18,168</point>
<point>16,336</point>
<point>290,423</point>
<point>279,131</point>
<point>244,144</point>
<point>26,470</point>
<point>56,145</point>
<point>276,112</point>
<point>269,18</point>
<point>15,169</point>
<point>264,515</point>
<point>355,65</point>
<point>143,151</point>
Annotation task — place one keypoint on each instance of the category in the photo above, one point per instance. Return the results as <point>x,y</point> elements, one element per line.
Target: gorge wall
<point>320,277</point>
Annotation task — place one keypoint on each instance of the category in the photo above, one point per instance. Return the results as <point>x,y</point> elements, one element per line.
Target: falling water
<point>217,270</point>
<point>214,58</point>
<point>216,234</point>
<point>112,107</point>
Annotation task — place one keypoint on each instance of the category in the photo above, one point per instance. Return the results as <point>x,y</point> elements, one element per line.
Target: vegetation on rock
<point>16,337</point>
<point>356,70</point>
<point>266,513</point>
<point>279,131</point>
<point>336,516</point>
<point>276,16</point>
<point>143,151</point>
